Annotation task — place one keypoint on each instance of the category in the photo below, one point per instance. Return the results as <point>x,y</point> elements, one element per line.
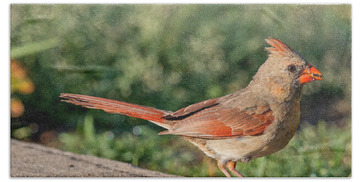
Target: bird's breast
<point>275,137</point>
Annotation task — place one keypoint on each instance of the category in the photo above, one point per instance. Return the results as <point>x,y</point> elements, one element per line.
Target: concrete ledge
<point>34,160</point>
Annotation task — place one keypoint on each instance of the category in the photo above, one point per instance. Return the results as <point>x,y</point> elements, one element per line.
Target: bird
<point>253,122</point>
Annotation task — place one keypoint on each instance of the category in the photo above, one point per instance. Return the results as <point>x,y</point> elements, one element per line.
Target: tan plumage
<point>250,123</point>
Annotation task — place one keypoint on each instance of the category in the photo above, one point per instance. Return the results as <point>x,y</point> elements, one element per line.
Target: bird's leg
<point>231,166</point>
<point>223,168</point>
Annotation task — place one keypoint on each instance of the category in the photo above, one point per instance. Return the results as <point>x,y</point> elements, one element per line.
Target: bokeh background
<point>170,56</point>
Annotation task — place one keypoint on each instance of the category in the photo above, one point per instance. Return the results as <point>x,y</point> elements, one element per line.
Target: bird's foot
<point>231,166</point>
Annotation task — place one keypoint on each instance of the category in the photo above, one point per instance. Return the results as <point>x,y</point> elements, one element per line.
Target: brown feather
<point>219,122</point>
<point>191,109</point>
<point>278,48</point>
<point>112,106</point>
<point>267,110</point>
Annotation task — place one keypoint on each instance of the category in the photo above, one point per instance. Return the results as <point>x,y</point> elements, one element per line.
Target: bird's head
<point>285,71</point>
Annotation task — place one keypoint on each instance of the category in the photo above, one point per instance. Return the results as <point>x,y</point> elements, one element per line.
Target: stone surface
<point>34,160</point>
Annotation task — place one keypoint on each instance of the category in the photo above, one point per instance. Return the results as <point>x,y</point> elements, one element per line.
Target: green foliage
<point>321,151</point>
<point>316,151</point>
<point>170,56</point>
<point>154,54</point>
<point>33,48</point>
<point>141,147</point>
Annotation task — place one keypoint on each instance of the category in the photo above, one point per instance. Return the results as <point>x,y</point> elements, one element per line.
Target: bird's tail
<point>148,113</point>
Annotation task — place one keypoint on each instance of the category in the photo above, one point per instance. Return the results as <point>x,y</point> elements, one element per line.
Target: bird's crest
<point>278,48</point>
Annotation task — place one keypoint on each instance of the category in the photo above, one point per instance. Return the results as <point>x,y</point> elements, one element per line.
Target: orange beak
<point>309,74</point>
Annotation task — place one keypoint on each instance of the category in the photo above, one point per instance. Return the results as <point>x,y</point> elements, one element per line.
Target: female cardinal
<point>250,123</point>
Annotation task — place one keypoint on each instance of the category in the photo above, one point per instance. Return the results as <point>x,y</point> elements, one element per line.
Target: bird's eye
<point>291,68</point>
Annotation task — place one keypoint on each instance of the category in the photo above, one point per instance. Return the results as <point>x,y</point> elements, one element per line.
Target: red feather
<point>278,47</point>
<point>208,120</point>
<point>205,119</point>
<point>112,106</point>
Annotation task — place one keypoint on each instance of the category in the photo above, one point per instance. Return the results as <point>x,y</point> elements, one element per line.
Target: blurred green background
<point>170,56</point>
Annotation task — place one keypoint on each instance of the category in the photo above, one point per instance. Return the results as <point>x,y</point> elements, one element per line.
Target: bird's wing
<point>192,109</point>
<point>210,120</point>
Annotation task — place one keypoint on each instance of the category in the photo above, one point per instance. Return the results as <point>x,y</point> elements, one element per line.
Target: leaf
<point>33,48</point>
